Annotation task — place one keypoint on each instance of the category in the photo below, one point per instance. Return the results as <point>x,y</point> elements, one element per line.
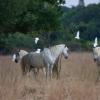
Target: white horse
<point>50,55</point>
<point>96,56</point>
<point>96,52</point>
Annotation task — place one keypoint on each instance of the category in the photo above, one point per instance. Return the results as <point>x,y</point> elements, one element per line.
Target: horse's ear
<point>65,45</point>
<point>18,50</point>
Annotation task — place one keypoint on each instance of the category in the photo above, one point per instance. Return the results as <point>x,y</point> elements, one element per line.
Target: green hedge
<point>16,40</point>
<point>26,41</point>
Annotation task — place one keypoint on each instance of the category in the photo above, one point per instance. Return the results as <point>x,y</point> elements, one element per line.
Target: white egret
<point>77,35</point>
<point>36,40</point>
<point>38,51</point>
<point>95,42</point>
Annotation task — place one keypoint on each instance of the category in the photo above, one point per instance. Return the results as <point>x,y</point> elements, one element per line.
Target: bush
<point>17,40</point>
<point>79,45</point>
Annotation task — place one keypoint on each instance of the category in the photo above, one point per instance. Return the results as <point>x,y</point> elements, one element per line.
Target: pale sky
<point>70,3</point>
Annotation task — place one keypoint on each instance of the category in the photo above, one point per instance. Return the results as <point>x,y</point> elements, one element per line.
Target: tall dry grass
<point>77,81</point>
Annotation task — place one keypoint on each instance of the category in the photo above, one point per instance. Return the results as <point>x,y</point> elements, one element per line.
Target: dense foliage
<point>22,20</point>
<point>86,20</point>
<point>29,15</point>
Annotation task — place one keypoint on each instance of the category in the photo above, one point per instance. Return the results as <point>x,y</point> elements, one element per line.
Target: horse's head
<point>16,57</point>
<point>65,52</point>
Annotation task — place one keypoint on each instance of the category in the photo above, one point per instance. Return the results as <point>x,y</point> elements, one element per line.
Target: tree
<point>10,11</point>
<point>84,19</point>
<point>27,16</point>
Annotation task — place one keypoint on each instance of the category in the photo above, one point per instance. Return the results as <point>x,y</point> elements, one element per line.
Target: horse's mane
<point>22,53</point>
<point>57,49</point>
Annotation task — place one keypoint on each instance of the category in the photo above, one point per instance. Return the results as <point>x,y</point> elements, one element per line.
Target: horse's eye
<point>17,54</point>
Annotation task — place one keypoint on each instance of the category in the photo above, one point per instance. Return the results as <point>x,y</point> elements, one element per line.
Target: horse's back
<point>33,59</point>
<point>52,53</point>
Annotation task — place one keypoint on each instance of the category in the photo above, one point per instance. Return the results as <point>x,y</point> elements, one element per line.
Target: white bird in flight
<point>36,40</point>
<point>95,42</point>
<point>77,35</point>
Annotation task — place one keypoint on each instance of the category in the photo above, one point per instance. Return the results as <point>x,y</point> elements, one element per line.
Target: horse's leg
<point>37,72</point>
<point>59,69</point>
<point>44,70</point>
<point>23,71</point>
<point>23,68</point>
<point>50,71</point>
<point>34,71</point>
<point>54,70</point>
<point>28,69</point>
<point>47,70</point>
<point>98,76</point>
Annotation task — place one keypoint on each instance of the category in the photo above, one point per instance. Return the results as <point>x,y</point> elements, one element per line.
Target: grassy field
<point>77,81</point>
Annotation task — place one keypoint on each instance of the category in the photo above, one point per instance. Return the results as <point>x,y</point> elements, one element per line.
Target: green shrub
<point>17,40</point>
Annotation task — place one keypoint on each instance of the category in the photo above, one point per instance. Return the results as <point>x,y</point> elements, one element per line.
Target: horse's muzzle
<point>66,57</point>
<point>16,61</point>
<point>94,59</point>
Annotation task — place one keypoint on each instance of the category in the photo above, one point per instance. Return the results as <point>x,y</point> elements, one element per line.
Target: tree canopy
<point>49,20</point>
<point>86,20</point>
<point>29,15</point>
